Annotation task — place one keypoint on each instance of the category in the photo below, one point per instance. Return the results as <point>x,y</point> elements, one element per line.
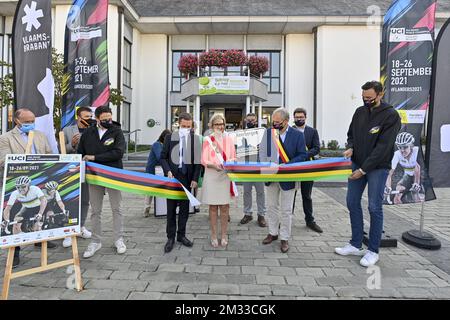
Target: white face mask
<point>184,131</point>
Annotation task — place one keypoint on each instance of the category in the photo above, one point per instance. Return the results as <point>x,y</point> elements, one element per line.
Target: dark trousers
<point>306,189</point>
<point>183,217</point>
<point>183,214</point>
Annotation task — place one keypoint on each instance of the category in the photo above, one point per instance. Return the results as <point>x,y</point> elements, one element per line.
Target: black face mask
<point>88,122</point>
<point>300,123</point>
<point>278,126</point>
<point>251,125</point>
<point>107,124</point>
<point>370,103</point>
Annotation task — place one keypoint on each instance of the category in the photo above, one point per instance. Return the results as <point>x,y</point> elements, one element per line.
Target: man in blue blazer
<point>313,148</point>
<point>280,195</point>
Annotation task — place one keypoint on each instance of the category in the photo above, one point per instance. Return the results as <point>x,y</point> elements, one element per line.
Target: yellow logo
<point>109,142</point>
<point>375,130</point>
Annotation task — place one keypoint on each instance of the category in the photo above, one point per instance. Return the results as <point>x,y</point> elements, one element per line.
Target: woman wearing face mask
<point>217,189</point>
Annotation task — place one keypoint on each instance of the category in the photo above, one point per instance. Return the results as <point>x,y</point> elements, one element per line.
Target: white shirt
<point>408,165</point>
<point>30,200</point>
<point>101,132</point>
<point>49,197</point>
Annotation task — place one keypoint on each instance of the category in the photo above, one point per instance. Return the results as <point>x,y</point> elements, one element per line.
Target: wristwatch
<point>361,170</point>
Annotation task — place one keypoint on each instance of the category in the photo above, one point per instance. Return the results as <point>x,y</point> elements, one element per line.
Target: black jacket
<point>170,158</point>
<point>312,141</point>
<point>372,136</point>
<point>107,151</point>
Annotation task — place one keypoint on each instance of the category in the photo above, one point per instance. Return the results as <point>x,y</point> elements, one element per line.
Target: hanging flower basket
<point>211,58</point>
<point>258,65</point>
<point>188,64</point>
<point>234,58</point>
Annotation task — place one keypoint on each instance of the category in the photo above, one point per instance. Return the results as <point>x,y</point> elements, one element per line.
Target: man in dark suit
<point>313,148</point>
<point>281,144</point>
<point>180,159</point>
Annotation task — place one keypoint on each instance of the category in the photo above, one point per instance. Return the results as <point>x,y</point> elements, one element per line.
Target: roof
<point>171,8</point>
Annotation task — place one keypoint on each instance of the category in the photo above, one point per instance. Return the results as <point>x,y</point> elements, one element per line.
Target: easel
<point>75,261</point>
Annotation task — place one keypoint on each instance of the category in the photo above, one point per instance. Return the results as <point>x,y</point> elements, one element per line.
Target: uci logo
<point>398,31</point>
<point>15,157</point>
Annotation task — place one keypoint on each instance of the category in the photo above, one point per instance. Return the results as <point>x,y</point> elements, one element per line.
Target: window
<point>127,63</point>
<point>125,115</point>
<point>272,76</point>
<point>177,78</point>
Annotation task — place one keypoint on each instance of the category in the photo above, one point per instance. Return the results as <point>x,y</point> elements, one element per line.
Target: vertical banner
<point>86,58</point>
<point>32,63</point>
<point>438,133</point>
<point>406,70</point>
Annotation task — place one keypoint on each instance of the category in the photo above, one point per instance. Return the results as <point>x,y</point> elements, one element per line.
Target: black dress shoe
<point>313,226</point>
<point>16,261</point>
<point>185,241</point>
<point>169,245</point>
<point>50,245</point>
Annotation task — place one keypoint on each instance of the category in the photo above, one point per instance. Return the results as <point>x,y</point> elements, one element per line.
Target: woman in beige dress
<point>216,189</point>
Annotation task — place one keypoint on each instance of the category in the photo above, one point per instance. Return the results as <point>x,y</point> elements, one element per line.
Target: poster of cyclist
<point>408,180</point>
<point>40,198</point>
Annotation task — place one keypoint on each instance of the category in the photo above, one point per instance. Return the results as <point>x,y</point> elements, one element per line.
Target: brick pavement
<point>246,269</point>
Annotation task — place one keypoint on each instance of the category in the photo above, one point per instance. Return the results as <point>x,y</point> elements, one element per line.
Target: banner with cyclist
<point>40,198</point>
<point>408,180</point>
<point>406,71</point>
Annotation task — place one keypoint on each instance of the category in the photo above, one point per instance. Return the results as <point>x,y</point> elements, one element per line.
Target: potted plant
<point>188,65</point>
<point>258,65</point>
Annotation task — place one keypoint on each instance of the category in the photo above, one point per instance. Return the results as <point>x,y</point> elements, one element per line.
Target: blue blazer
<point>312,141</point>
<point>295,148</point>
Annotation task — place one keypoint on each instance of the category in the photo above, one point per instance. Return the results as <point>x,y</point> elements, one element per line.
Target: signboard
<point>40,198</point>
<point>232,85</point>
<point>247,142</point>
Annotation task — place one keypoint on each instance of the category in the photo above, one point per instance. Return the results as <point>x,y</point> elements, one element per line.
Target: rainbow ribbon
<point>134,182</point>
<point>334,169</point>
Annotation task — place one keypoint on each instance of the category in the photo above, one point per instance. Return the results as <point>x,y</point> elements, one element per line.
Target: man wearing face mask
<point>251,123</point>
<point>180,159</point>
<point>313,148</point>
<point>371,139</point>
<point>104,144</point>
<point>281,144</point>
<point>15,142</point>
<point>72,135</point>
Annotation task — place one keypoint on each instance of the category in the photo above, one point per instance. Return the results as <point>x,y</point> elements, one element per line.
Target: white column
<point>247,106</point>
<point>253,106</point>
<point>260,114</point>
<point>197,114</point>
<point>188,106</point>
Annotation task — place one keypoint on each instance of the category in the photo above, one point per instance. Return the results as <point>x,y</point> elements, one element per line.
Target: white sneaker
<point>369,259</point>
<point>121,247</point>
<point>67,242</point>
<point>92,248</point>
<point>85,233</point>
<point>349,250</point>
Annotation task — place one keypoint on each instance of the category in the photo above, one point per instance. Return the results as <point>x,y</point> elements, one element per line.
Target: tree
<point>116,98</point>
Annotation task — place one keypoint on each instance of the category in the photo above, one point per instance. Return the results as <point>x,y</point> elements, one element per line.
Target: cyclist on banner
<point>406,156</point>
<point>55,212</point>
<point>29,217</point>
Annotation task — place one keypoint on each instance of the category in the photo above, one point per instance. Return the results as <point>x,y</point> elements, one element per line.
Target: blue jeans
<point>376,180</point>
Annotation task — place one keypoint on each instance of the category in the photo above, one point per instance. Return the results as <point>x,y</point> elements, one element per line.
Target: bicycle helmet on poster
<point>23,181</point>
<point>51,185</point>
<point>404,139</point>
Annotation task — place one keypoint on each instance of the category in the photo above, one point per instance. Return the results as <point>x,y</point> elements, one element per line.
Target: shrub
<point>333,145</point>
